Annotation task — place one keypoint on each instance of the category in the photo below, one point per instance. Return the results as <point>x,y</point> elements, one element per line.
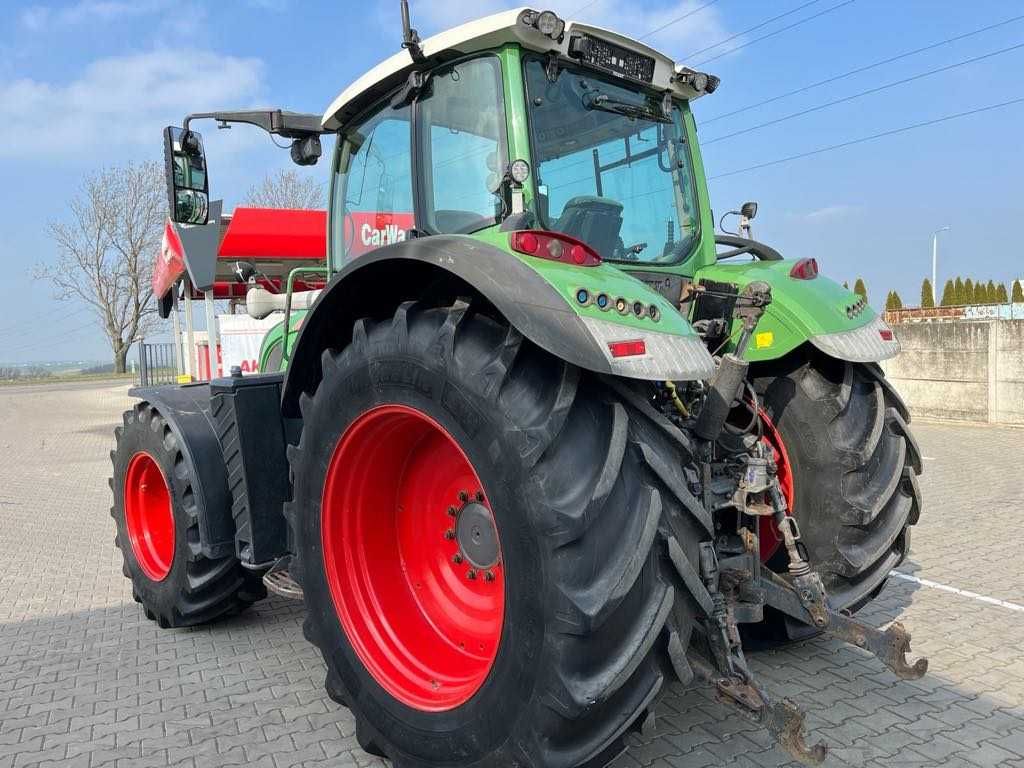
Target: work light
<point>545,22</point>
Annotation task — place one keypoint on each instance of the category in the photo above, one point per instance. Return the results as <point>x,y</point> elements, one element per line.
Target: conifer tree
<point>948,294</point>
<point>927,296</point>
<point>860,289</point>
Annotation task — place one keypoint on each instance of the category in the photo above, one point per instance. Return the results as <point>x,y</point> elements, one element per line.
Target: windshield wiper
<point>606,103</point>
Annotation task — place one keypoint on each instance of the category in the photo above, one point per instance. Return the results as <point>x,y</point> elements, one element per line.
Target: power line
<point>858,70</point>
<point>73,334</point>
<point>42,316</point>
<point>869,91</point>
<point>772,34</point>
<point>754,28</point>
<point>676,20</point>
<point>863,139</point>
<point>583,7</point>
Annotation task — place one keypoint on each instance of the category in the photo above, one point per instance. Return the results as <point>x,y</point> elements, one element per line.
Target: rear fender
<point>451,266</point>
<point>819,311</point>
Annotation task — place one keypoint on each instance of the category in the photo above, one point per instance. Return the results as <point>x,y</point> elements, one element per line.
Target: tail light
<point>627,348</point>
<point>885,333</point>
<point>554,246</point>
<point>805,269</point>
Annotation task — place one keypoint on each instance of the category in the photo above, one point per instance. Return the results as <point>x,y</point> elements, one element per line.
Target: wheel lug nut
<point>449,534</point>
<point>463,496</point>
<point>471,574</point>
<point>456,558</point>
<point>480,496</point>
<point>452,511</point>
<point>488,576</point>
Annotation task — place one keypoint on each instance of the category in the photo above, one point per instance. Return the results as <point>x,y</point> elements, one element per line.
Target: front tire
<point>854,467</point>
<point>587,489</point>
<point>157,525</point>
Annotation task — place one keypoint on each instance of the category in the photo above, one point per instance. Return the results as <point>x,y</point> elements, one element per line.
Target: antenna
<point>410,37</point>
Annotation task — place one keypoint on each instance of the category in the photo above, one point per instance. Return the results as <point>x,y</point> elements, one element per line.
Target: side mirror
<point>188,188</point>
<point>749,209</point>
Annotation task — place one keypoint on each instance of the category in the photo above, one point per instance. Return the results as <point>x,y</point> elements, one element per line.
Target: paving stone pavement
<point>86,680</point>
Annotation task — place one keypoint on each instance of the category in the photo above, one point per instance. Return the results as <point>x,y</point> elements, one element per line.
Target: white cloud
<point>695,31</point>
<point>831,212</point>
<point>120,104</point>
<point>38,17</point>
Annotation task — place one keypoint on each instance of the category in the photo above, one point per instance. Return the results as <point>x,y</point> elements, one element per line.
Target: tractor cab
<point>522,116</point>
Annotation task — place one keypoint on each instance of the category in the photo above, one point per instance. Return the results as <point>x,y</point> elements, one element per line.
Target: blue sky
<point>89,83</point>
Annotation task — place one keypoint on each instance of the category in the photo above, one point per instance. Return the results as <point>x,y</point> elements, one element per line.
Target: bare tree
<point>287,189</point>
<point>106,249</point>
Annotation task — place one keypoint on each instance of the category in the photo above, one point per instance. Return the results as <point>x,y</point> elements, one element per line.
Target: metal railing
<point>156,364</point>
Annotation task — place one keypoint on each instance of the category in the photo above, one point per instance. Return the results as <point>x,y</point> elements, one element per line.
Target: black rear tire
<point>197,589</point>
<point>590,495</point>
<point>855,466</point>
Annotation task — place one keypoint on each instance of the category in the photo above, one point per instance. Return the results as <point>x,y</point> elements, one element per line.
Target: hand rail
<point>742,245</point>
<point>285,353</point>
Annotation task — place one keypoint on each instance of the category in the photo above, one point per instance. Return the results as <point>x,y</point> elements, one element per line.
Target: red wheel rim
<point>423,620</point>
<point>149,516</point>
<point>768,533</point>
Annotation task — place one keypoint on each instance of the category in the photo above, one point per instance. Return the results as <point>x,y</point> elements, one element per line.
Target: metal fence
<point>157,364</point>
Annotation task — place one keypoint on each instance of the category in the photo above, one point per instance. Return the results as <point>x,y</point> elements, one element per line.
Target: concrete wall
<point>962,370</point>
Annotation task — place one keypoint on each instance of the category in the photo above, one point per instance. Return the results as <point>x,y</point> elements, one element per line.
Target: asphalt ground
<point>86,680</point>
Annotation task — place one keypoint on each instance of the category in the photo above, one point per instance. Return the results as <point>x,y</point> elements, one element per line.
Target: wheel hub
<point>149,516</point>
<point>412,558</point>
<point>476,535</point>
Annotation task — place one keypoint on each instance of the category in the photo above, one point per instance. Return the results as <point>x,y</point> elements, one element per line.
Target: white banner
<point>240,340</point>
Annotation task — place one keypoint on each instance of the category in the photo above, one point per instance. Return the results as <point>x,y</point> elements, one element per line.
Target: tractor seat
<point>594,220</point>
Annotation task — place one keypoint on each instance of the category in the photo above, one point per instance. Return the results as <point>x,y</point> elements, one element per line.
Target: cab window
<point>462,133</point>
<point>373,191</point>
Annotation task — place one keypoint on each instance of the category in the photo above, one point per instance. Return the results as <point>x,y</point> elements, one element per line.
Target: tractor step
<point>279,580</point>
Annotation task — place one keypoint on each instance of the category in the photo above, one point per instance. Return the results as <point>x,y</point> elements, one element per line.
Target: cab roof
<point>484,34</point>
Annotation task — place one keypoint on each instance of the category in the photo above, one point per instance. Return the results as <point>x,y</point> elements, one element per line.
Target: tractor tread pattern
<point>865,463</point>
<point>208,588</point>
<point>602,497</point>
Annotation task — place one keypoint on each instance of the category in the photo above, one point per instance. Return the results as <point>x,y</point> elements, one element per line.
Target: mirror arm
<point>291,125</point>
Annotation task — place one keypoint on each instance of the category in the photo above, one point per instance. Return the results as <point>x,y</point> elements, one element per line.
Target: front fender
<point>187,411</point>
<point>535,296</point>
<point>819,311</point>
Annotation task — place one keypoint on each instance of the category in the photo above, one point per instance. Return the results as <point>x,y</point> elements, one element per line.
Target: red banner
<point>367,230</point>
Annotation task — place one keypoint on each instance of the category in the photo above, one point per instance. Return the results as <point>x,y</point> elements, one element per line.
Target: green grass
<point>61,378</point>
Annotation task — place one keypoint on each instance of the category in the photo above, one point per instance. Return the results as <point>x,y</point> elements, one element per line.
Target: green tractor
<point>543,442</point>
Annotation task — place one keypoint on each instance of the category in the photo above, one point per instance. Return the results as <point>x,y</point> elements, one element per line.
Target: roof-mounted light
<point>701,82</point>
<point>545,22</point>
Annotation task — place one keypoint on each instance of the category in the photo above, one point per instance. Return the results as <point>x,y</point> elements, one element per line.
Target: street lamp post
<point>935,262</point>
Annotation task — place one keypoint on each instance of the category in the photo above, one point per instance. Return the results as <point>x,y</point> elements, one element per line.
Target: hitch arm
<point>890,646</point>
<point>783,719</point>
